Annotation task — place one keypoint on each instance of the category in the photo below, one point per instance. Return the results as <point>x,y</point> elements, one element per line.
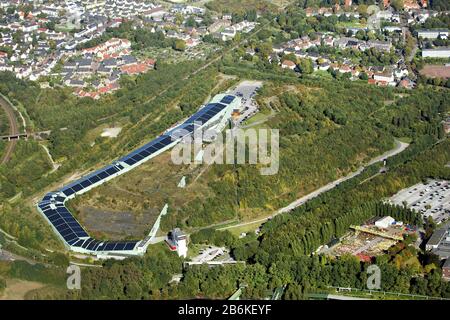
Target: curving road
<point>399,147</point>
<point>13,129</point>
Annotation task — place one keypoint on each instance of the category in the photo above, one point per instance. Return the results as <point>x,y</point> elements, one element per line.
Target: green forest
<point>351,117</point>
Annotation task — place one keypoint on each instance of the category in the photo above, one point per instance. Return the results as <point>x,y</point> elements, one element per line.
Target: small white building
<point>177,241</point>
<point>385,222</point>
<point>386,76</point>
<point>288,64</point>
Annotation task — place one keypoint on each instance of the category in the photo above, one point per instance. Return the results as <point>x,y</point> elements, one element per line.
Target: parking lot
<point>431,199</point>
<point>247,90</point>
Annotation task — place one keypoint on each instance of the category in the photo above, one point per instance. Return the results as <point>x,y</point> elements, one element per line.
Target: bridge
<point>15,136</point>
<point>35,135</point>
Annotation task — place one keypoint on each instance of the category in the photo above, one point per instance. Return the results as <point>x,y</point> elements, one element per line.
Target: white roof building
<point>385,222</point>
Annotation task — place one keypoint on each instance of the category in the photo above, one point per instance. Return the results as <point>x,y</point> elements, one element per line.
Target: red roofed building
<point>377,82</point>
<point>114,47</point>
<point>288,64</point>
<point>135,68</point>
<point>150,62</point>
<point>411,4</point>
<point>364,257</point>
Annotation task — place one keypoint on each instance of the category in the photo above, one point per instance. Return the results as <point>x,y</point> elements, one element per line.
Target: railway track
<point>13,129</point>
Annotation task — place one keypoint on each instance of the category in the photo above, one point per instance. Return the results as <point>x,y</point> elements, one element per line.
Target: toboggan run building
<point>213,115</point>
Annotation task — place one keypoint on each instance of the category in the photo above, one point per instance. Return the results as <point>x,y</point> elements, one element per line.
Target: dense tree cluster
<point>309,123</point>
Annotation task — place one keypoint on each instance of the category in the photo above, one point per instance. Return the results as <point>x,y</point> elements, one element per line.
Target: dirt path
<point>13,129</point>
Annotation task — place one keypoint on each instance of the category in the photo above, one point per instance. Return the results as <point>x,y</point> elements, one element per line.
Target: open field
<point>18,289</point>
<point>130,204</point>
<point>435,71</point>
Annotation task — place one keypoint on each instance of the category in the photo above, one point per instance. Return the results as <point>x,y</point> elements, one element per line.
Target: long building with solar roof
<point>74,236</point>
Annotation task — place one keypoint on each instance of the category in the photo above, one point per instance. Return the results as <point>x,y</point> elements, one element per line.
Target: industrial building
<point>213,115</point>
<point>433,34</point>
<point>439,242</point>
<point>446,269</point>
<point>436,53</point>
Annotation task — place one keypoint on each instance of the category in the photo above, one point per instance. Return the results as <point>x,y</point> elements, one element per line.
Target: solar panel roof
<point>64,222</point>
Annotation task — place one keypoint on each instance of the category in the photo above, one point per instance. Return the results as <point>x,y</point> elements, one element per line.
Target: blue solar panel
<point>86,183</point>
<point>73,241</point>
<point>108,246</point>
<point>68,192</point>
<point>94,179</point>
<point>82,234</point>
<point>102,175</point>
<point>65,232</point>
<point>130,245</point>
<point>78,243</point>
<point>111,171</point>
<point>59,222</point>
<point>144,153</point>
<point>92,244</point>
<point>44,207</point>
<point>120,246</point>
<point>87,242</point>
<point>77,187</point>
<point>53,216</point>
<point>227,99</point>
<point>130,161</point>
<point>70,237</point>
<point>151,149</point>
<point>138,157</point>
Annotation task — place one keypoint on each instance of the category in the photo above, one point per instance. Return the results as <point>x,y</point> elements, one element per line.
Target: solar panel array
<point>52,205</point>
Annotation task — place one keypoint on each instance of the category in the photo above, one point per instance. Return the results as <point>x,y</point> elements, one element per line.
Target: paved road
<point>400,146</point>
<point>13,129</point>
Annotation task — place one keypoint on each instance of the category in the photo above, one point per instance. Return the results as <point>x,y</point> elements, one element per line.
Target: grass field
<point>435,71</point>
<point>249,228</point>
<point>131,203</point>
<point>18,289</point>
